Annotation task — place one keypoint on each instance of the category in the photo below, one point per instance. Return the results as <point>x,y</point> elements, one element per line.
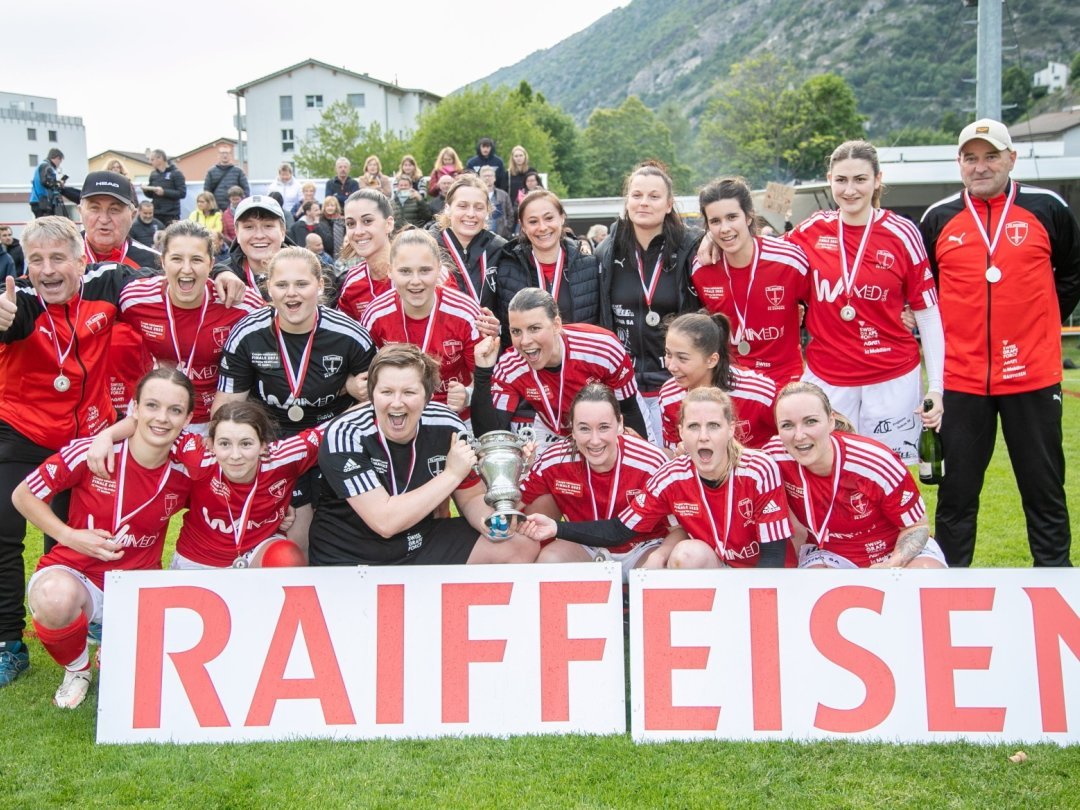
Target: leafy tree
<point>339,133</point>
<point>952,122</point>
<point>1015,93</point>
<point>616,140</point>
<point>916,136</point>
<point>565,143</point>
<point>824,116</point>
<point>684,139</point>
<point>1074,69</point>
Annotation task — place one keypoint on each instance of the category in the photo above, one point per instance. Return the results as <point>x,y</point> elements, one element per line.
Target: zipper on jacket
<point>989,295</point>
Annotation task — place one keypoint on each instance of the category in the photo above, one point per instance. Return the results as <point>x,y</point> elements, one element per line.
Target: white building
<point>1054,76</point>
<point>283,109</point>
<point>29,127</point>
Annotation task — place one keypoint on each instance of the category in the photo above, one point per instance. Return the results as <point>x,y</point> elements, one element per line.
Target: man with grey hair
<point>167,187</point>
<point>341,185</point>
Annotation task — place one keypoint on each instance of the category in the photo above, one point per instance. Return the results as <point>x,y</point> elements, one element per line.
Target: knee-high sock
<point>67,645</point>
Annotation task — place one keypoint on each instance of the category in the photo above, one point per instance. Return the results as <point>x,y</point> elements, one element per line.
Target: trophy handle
<point>526,434</point>
<point>469,439</point>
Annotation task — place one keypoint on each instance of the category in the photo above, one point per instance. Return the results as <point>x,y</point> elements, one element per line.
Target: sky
<point>160,73</point>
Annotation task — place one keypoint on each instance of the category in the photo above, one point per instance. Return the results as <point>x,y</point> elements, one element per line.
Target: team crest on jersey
<point>435,465</point>
<point>742,429</point>
<point>884,260</point>
<point>99,320</point>
<point>220,335</point>
<point>1016,232</point>
<point>490,280</point>
<point>858,503</point>
<point>171,502</point>
<point>331,364</point>
<point>631,494</point>
<point>774,295</point>
<point>746,508</point>
<point>572,488</point>
<point>451,349</point>
<point>277,489</point>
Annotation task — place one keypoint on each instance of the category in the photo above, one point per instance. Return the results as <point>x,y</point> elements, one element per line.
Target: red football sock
<point>67,644</point>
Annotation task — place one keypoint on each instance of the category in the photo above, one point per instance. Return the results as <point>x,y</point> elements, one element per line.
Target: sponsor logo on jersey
<point>153,331</point>
<point>774,295</point>
<point>752,549</point>
<point>131,540</point>
<point>569,488</point>
<point>171,501</point>
<point>415,540</point>
<point>884,260</point>
<point>51,469</point>
<point>351,465</point>
<point>827,243</point>
<point>765,333</point>
<point>103,485</point>
<point>793,490</point>
<point>639,499</point>
<point>1009,350</point>
<point>264,360</point>
<point>867,332</point>
<point>713,292</point>
<point>203,372</point>
<point>379,464</point>
<point>96,322</point>
<point>770,508</point>
<point>220,335</point>
<point>331,364</point>
<point>1016,232</point>
<point>907,496</point>
<point>958,239</point>
<point>436,464</point>
<point>685,508</point>
<point>46,332</point>
<point>189,445</point>
<point>277,489</point>
<point>746,508</point>
<point>858,503</point>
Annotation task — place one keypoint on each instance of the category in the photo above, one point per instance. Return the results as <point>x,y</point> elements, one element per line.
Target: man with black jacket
<point>167,187</point>
<point>224,175</point>
<point>485,156</point>
<point>12,246</point>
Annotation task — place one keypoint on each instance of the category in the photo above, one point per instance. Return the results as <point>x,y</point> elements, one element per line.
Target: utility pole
<point>988,70</point>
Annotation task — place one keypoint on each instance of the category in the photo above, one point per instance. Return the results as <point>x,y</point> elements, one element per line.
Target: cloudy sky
<point>143,74</point>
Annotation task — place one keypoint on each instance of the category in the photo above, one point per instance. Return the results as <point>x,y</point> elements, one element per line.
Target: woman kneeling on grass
<point>728,500</point>
<point>111,525</point>
<point>854,503</point>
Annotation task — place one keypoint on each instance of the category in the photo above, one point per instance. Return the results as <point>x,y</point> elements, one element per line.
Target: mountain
<point>909,61</point>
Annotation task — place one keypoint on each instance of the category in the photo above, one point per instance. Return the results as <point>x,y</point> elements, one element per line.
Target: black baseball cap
<point>110,183</point>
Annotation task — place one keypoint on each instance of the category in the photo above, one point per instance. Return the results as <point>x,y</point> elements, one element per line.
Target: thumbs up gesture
<point>7,305</point>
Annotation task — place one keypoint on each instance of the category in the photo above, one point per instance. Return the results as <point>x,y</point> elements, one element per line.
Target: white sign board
<point>359,653</point>
<point>910,656</point>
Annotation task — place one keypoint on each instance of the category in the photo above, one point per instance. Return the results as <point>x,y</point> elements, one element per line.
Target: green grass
<point>48,758</point>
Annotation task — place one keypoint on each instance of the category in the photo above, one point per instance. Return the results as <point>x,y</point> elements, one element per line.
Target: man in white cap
<point>1006,257</point>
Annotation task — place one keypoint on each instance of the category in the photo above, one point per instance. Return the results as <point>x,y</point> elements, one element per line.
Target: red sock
<point>67,644</point>
<point>283,554</point>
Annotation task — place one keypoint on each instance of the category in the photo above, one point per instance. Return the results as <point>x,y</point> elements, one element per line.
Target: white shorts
<point>182,563</point>
<point>809,554</point>
<point>97,596</point>
<point>628,559</point>
<point>883,411</point>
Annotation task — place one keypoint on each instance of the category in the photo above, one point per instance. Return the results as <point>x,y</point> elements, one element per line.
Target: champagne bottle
<point>931,458</point>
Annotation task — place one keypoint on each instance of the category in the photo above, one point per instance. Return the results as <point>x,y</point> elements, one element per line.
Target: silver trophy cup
<point>500,462</point>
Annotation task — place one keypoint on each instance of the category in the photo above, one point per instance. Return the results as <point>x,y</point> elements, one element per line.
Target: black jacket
<point>15,251</point>
<point>174,189</point>
<point>502,179</point>
<point>144,232</point>
<point>220,178</point>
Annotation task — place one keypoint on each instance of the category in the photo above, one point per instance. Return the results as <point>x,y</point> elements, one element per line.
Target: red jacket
<point>1004,337</point>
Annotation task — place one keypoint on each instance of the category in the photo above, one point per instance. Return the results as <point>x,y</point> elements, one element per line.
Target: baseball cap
<point>260,202</point>
<point>993,132</point>
<point>110,183</point>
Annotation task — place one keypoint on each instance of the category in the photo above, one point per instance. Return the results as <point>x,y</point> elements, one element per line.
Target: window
<point>311,133</point>
<point>52,136</point>
<point>356,100</point>
<point>34,161</point>
<point>288,140</point>
<point>285,104</point>
<point>31,134</point>
<point>314,102</point>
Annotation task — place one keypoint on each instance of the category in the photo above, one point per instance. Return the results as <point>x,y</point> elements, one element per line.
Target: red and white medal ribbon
<point>737,336</point>
<point>183,367</point>
<point>430,321</point>
<point>649,290</point>
<point>991,246</point>
<point>92,258</point>
<point>721,544</point>
<point>614,485</point>
<point>122,521</point>
<point>554,417</point>
<point>850,278</point>
<point>463,268</point>
<point>556,282</point>
<point>390,462</point>
<point>296,380</point>
<point>61,356</point>
<point>239,529</point>
<point>821,531</point>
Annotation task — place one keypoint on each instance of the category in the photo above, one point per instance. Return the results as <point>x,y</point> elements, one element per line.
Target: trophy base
<point>503,524</point>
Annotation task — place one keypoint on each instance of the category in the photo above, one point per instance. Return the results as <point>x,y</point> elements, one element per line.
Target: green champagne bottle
<point>931,458</point>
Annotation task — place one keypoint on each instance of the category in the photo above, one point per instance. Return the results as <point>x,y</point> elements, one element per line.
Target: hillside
<point>907,60</point>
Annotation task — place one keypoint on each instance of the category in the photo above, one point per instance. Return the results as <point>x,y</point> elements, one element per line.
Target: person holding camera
<point>409,205</point>
<point>45,187</point>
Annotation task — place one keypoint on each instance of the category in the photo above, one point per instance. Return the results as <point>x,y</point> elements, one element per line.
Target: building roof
<point>1046,125</point>
<point>239,89</point>
<point>202,146</point>
<point>137,156</point>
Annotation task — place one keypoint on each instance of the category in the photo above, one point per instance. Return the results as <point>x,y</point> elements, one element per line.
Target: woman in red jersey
<point>727,500</point>
<point>593,474</point>
<point>111,525</point>
<point>855,504</point>
<point>440,320</point>
<point>183,322</point>
<point>696,356</point>
<point>369,224</point>
<point>758,283</point>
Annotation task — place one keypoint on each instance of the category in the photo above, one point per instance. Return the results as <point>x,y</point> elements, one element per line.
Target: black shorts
<point>447,541</point>
<point>306,488</point>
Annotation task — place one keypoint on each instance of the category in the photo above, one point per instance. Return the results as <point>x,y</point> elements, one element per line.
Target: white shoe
<point>72,691</point>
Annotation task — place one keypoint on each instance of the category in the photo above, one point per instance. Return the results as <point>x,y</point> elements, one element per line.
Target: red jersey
<point>876,498</point>
<point>218,505</point>
<point>762,302</point>
<point>150,497</point>
<point>589,354</point>
<point>448,333</point>
<point>753,398</point>
<point>735,518</point>
<point>581,493</point>
<point>194,339</point>
<point>874,346</point>
<point>359,289</point>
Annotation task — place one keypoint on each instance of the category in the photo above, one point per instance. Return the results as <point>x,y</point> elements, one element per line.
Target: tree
<point>916,136</point>
<point>616,140</point>
<point>339,133</point>
<point>1074,69</point>
<point>824,115</point>
<point>684,140</point>
<point>1015,93</point>
<point>565,142</point>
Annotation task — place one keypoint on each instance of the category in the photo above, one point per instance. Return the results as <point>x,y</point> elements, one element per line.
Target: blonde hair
<point>461,181</point>
<point>512,167</point>
<point>458,165</point>
<point>721,398</point>
<point>843,424</point>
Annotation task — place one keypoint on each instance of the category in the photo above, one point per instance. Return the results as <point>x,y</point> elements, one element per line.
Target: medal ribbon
<point>184,367</point>
<point>557,281</point>
<point>463,268</point>
<point>121,520</point>
<point>238,533</point>
<point>92,258</point>
<point>650,289</point>
<point>430,321</point>
<point>554,419</point>
<point>738,335</point>
<point>390,462</point>
<point>991,246</point>
<point>614,484</point>
<point>721,545</point>
<point>296,381</point>
<point>849,278</point>
<point>821,532</point>
<point>61,356</point>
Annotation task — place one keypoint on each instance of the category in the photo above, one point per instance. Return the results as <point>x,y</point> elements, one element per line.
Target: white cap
<point>993,132</point>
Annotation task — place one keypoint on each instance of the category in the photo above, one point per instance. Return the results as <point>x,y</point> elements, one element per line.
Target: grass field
<point>48,757</point>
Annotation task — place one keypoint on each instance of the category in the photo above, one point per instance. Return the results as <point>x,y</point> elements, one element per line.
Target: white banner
<point>910,656</point>
<point>359,653</point>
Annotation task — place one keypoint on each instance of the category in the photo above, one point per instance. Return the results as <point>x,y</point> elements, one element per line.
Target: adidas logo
<point>189,446</point>
<point>350,465</point>
<point>770,508</point>
<point>51,469</point>
<point>907,497</point>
